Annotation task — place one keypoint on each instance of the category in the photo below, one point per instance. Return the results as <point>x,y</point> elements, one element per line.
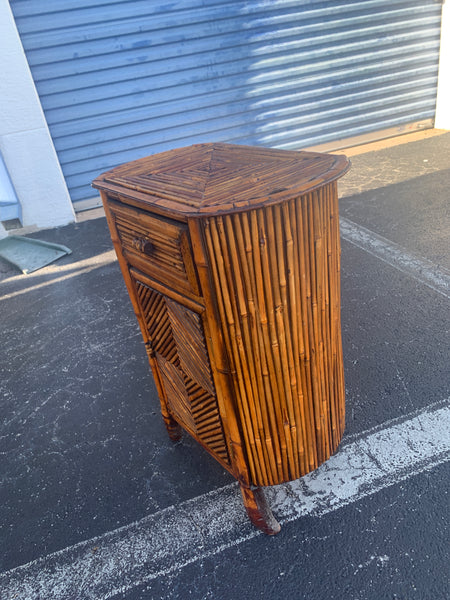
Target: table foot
<point>173,429</point>
<point>259,511</point>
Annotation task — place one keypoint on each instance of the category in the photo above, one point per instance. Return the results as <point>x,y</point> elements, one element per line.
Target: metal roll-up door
<point>119,80</point>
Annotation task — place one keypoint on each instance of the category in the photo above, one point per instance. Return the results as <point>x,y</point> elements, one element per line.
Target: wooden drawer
<point>157,246</point>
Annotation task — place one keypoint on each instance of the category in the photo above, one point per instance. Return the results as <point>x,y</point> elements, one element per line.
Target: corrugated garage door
<point>123,79</point>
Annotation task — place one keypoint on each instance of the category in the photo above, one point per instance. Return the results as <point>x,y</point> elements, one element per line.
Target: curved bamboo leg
<point>173,429</point>
<point>259,511</point>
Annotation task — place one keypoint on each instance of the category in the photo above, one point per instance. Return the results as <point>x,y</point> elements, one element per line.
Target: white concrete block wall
<point>25,142</point>
<point>442,120</point>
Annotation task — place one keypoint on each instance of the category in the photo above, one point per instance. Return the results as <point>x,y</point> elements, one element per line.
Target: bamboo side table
<point>231,258</point>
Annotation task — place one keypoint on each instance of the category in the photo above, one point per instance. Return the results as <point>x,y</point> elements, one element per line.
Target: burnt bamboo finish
<point>231,256</point>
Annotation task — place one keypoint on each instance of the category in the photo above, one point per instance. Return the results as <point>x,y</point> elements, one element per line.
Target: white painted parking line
<point>438,279</point>
<point>118,561</point>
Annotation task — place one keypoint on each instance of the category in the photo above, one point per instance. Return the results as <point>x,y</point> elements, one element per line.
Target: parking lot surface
<point>96,502</point>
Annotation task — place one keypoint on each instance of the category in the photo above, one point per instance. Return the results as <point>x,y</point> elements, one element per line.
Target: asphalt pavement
<point>96,502</point>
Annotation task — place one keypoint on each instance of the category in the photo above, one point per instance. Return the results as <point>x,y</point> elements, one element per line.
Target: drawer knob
<point>143,245</point>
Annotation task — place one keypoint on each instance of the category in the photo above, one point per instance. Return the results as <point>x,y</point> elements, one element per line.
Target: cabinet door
<point>178,342</point>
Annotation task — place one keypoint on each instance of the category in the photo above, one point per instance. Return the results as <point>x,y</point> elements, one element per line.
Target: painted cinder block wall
<point>25,142</point>
<point>442,119</point>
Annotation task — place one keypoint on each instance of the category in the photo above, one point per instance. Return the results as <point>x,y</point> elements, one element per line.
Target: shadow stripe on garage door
<point>118,561</point>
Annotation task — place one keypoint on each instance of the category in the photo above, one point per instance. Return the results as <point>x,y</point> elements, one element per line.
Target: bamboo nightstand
<point>231,258</point>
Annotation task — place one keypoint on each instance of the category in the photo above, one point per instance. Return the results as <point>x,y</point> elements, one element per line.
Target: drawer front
<point>156,246</point>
